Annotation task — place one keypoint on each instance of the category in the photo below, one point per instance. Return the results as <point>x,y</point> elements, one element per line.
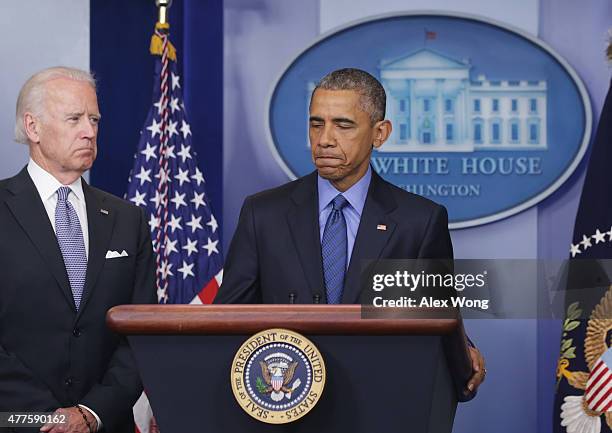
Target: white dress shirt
<point>47,187</point>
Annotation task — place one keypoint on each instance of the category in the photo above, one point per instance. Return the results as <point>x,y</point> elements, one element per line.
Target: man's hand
<point>74,422</point>
<point>478,367</point>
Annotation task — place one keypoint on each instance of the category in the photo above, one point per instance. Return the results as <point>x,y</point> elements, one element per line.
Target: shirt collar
<point>47,185</point>
<point>355,195</point>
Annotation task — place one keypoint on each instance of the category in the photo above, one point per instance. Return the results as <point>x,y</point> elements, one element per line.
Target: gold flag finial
<point>163,6</point>
<point>162,26</point>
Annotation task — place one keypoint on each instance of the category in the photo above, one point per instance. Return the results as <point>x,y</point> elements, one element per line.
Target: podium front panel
<point>375,383</point>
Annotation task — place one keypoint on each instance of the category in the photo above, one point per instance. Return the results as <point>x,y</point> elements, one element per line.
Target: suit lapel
<point>303,219</point>
<point>100,228</point>
<point>29,211</point>
<point>371,239</point>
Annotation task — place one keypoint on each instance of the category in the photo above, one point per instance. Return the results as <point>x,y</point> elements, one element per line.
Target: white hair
<point>32,94</point>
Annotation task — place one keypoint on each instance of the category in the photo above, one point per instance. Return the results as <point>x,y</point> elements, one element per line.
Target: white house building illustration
<point>435,106</point>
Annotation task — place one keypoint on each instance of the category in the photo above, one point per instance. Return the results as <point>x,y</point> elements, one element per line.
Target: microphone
<point>292,298</point>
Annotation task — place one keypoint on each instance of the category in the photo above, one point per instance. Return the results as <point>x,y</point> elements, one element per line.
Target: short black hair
<point>373,97</point>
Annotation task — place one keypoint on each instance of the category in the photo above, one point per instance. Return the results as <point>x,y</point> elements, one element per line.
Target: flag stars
<point>199,178</point>
<point>175,81</point>
<point>185,152</point>
<point>169,153</point>
<point>153,222</point>
<point>575,250</point>
<point>139,199</point>
<point>183,176</point>
<point>162,296</point>
<point>149,152</point>
<point>211,247</point>
<point>171,185</point>
<point>586,242</point>
<point>178,200</point>
<point>198,200</point>
<point>144,175</point>
<point>175,223</point>
<point>172,128</point>
<point>174,105</point>
<point>185,129</point>
<point>160,105</point>
<point>212,223</point>
<point>170,246</point>
<point>162,175</point>
<point>195,223</point>
<point>157,199</point>
<point>191,247</point>
<point>599,237</point>
<point>186,270</point>
<point>166,269</point>
<point>155,128</point>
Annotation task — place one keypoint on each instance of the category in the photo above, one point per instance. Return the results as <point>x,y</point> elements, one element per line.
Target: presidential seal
<point>278,376</point>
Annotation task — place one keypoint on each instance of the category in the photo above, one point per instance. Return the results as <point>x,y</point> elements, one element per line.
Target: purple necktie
<point>71,243</point>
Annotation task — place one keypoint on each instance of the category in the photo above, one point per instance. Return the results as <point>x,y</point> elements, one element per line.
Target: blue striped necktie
<point>71,243</point>
<point>334,250</point>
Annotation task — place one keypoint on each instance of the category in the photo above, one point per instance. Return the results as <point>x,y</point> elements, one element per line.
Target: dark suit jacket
<point>52,356</point>
<point>276,249</point>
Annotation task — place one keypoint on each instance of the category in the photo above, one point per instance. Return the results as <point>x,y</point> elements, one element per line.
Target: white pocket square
<point>110,254</point>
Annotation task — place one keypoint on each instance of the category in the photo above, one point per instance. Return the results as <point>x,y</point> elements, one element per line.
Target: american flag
<point>598,393</point>
<point>584,380</point>
<point>167,182</point>
<point>429,35</point>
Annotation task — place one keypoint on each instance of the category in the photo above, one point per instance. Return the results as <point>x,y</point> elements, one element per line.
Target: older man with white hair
<point>69,252</point>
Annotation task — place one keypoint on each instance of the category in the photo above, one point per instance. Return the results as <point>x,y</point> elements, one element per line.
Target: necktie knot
<point>339,202</point>
<point>62,193</point>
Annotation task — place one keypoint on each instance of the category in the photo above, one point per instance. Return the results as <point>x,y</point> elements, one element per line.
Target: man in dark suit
<point>69,252</point>
<point>304,241</point>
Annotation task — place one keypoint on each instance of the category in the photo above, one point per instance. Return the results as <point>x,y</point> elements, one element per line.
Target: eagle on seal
<point>277,380</point>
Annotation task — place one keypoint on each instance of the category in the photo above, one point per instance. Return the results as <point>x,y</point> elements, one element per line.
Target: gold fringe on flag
<point>157,44</point>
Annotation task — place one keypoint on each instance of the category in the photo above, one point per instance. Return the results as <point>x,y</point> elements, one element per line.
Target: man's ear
<point>31,125</point>
<point>382,131</point>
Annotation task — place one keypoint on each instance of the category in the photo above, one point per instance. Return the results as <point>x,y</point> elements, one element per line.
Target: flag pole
<point>184,225</point>
<point>163,7</point>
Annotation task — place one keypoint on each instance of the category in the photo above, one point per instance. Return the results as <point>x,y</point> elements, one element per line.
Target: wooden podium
<point>383,375</point>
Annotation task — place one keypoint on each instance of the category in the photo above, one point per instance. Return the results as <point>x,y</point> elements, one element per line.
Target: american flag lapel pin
<point>381,227</point>
<point>104,211</point>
